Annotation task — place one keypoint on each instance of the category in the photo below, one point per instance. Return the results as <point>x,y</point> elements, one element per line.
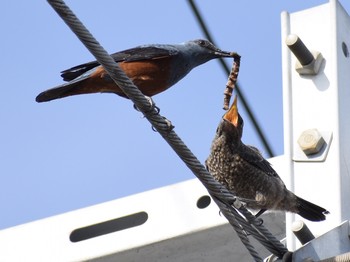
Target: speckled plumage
<point>244,171</point>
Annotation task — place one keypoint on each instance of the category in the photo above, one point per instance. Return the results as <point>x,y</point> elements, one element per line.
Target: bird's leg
<point>153,104</point>
<point>155,108</point>
<point>241,207</point>
<point>237,203</point>
<point>260,213</point>
<point>232,79</point>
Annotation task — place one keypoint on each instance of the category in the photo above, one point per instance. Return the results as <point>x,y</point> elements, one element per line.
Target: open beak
<point>232,114</point>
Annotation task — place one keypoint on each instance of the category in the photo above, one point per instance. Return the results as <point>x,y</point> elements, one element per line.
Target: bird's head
<point>232,123</point>
<point>202,51</point>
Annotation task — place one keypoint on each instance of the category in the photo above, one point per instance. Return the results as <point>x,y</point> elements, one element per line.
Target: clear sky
<point>84,150</point>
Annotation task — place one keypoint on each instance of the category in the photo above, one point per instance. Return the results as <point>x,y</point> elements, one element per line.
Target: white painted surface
<point>323,102</point>
<point>176,230</point>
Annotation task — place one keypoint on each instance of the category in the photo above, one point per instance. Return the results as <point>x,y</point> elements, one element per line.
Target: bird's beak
<point>220,53</point>
<point>232,114</point>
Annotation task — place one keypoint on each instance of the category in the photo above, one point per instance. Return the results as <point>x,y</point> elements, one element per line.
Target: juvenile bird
<point>152,68</point>
<point>250,177</point>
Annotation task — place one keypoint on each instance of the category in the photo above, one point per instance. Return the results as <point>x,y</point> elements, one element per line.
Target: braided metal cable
<point>279,247</point>
<point>219,193</point>
<point>240,230</point>
<point>252,226</point>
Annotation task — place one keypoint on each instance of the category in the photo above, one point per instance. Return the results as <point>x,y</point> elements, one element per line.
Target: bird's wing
<point>129,55</point>
<point>145,53</point>
<point>254,157</point>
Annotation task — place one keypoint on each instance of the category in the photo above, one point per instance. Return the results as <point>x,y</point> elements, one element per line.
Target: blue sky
<point>84,150</point>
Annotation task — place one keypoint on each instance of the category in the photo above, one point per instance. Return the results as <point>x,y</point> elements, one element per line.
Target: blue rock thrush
<point>152,68</point>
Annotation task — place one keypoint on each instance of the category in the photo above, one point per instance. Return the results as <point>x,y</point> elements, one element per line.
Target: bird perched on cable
<point>152,68</point>
<point>250,177</point>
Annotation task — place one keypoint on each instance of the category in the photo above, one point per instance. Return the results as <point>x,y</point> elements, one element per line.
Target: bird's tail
<point>79,85</point>
<point>310,211</point>
<point>56,92</point>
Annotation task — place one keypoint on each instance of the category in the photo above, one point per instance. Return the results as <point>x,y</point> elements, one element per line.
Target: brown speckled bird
<point>250,177</point>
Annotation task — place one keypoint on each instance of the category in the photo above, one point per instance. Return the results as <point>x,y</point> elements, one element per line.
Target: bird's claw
<point>261,211</point>
<point>237,204</point>
<point>168,123</point>
<point>259,221</point>
<point>152,107</point>
<point>155,109</point>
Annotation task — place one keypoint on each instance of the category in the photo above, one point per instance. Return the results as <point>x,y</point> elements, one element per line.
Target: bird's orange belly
<point>150,76</point>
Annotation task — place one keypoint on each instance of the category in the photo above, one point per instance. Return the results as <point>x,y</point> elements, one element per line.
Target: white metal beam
<point>175,230</point>
<point>319,101</point>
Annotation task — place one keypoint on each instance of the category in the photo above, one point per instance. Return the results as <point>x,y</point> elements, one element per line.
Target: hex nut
<point>311,141</point>
<point>311,69</point>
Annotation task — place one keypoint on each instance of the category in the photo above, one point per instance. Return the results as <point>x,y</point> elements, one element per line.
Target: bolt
<point>302,232</point>
<point>299,49</point>
<point>311,141</point>
<point>308,62</point>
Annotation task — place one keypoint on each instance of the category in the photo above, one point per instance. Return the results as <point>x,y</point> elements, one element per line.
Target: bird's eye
<point>201,42</point>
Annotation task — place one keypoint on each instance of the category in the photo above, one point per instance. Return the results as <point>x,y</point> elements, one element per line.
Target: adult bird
<point>250,177</point>
<point>152,68</point>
